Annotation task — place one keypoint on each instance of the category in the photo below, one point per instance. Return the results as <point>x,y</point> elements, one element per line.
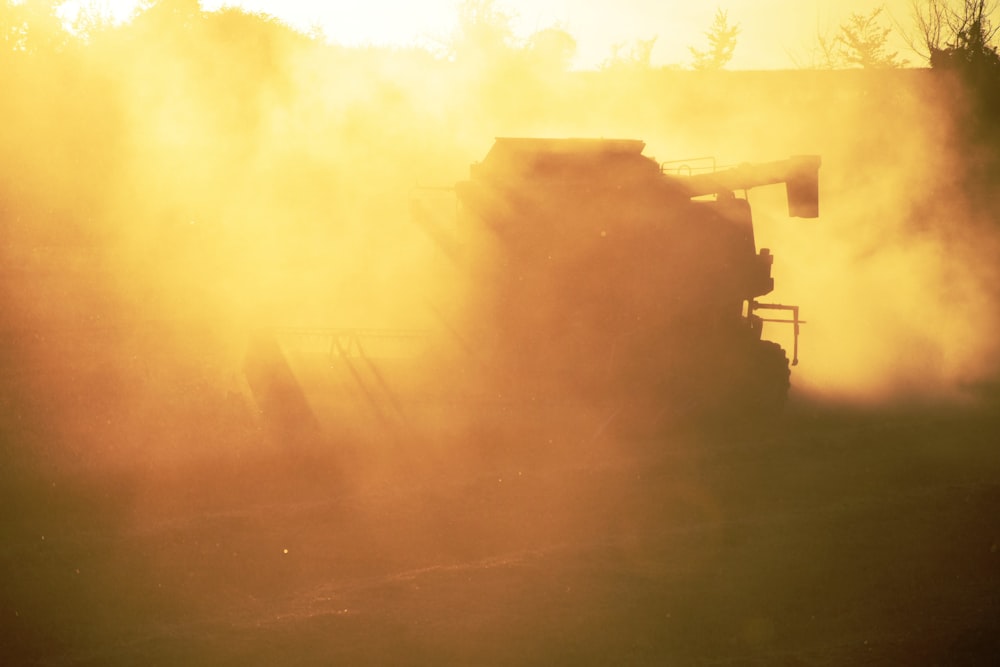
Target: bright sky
<point>775,33</point>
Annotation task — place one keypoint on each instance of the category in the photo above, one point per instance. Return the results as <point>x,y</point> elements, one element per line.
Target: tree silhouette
<point>942,28</point>
<point>721,44</point>
<point>552,48</point>
<point>92,20</point>
<point>31,26</point>
<point>963,41</point>
<point>863,42</point>
<point>484,32</point>
<point>860,42</point>
<point>166,10</point>
<point>634,55</point>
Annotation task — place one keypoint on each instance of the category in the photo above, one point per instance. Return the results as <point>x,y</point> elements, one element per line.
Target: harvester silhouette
<point>603,279</point>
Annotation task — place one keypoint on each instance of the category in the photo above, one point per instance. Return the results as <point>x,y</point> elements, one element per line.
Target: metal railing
<point>795,322</point>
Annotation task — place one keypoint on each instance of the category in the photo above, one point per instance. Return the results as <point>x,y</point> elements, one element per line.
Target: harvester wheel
<point>769,380</point>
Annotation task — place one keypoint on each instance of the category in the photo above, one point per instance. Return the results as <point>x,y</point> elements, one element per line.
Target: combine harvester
<point>604,286</point>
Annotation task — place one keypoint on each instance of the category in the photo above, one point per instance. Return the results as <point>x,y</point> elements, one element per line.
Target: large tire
<point>768,381</point>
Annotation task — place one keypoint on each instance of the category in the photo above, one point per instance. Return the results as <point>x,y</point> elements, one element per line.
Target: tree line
<point>943,33</point>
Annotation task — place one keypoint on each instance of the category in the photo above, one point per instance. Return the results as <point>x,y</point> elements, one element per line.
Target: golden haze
<point>173,186</point>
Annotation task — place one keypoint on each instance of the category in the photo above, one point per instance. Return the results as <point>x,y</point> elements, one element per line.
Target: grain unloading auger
<point>599,277</point>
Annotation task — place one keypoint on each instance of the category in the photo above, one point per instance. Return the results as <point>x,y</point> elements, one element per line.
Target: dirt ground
<point>832,537</point>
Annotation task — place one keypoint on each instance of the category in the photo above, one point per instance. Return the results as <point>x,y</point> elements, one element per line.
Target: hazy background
<point>172,181</point>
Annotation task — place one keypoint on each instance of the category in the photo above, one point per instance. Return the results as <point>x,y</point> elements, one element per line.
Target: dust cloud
<point>196,205</point>
<point>180,181</point>
<point>897,281</point>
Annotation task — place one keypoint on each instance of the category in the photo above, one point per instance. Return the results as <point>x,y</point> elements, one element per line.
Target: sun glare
<point>120,10</point>
<point>378,22</point>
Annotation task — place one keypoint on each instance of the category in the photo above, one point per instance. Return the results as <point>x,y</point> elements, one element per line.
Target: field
<point>832,536</point>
